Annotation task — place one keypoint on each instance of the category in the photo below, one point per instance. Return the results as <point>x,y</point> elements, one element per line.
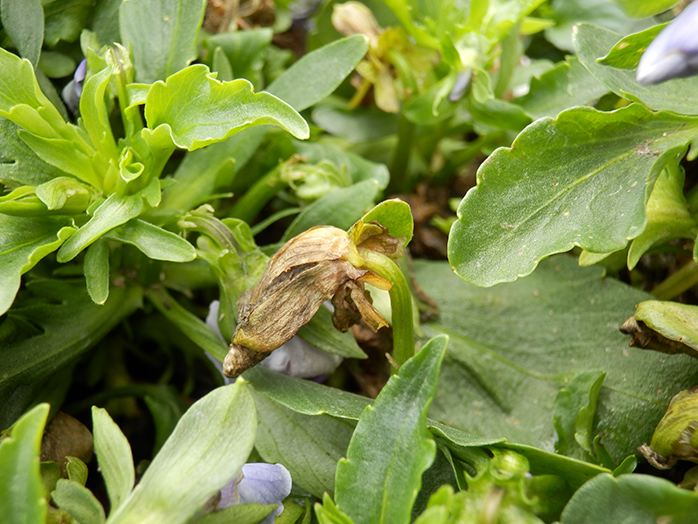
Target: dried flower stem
<point>400,302</point>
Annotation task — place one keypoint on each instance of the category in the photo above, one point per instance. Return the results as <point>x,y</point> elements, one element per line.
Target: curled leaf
<point>320,264</point>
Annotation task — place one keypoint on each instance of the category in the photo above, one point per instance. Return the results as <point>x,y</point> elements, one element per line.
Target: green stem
<point>262,191</point>
<point>399,178</point>
<point>131,119</point>
<point>683,280</point>
<point>400,302</point>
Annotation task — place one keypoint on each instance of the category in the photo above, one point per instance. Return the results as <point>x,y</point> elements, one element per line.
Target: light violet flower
<point>674,52</point>
<point>260,483</point>
<point>73,90</point>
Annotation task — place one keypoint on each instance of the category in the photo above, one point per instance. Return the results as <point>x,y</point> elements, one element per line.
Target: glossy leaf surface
<point>214,110</point>
<point>514,347</point>
<point>162,35</point>
<point>528,204</point>
<point>391,446</point>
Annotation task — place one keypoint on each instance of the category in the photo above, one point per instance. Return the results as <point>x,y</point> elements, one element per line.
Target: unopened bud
<point>675,437</point>
<point>353,18</point>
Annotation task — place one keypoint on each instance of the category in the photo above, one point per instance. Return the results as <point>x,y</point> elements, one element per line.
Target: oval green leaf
<point>198,110</point>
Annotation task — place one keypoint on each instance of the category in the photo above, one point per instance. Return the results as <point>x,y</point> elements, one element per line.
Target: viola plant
<point>348,262</point>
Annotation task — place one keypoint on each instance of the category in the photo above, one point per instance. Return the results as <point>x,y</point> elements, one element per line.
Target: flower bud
<point>674,52</point>
<point>675,437</point>
<point>354,18</point>
<point>320,264</point>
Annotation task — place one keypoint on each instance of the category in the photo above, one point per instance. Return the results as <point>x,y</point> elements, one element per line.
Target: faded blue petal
<point>73,90</point>
<point>260,483</point>
<point>299,358</point>
<point>674,52</point>
<point>296,358</point>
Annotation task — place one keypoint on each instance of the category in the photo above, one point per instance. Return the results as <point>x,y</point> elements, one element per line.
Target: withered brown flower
<point>320,264</point>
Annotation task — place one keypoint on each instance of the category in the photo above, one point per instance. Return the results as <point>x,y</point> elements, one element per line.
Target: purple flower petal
<point>674,52</point>
<point>260,483</point>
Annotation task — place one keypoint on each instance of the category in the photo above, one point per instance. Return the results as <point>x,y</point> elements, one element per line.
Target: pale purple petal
<point>260,483</point>
<point>674,52</point>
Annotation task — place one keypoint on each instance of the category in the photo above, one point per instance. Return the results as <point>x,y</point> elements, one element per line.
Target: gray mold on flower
<point>674,52</point>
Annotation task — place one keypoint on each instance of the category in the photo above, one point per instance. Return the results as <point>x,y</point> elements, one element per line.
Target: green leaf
<point>242,514</point>
<point>569,13</point>
<point>94,114</point>
<point>114,456</point>
<point>207,448</point>
<point>328,513</point>
<point>79,501</point>
<point>677,95</point>
<point>309,398</point>
<point>391,447</point>
<point>566,85</point>
<point>356,166</point>
<point>640,499</point>
<point>76,470</point>
<point>304,396</point>
<point>356,125</point>
<point>56,65</point>
<point>20,165</point>
<point>65,20</point>
<point>21,488</point>
<point>327,67</point>
<point>308,446</point>
<point>161,35</point>
<point>197,110</point>
<point>97,271</point>
<point>559,322</point>
<point>341,208</point>
<point>644,8</point>
<point>23,20</point>
<point>166,407</point>
<point>66,329</point>
<point>105,21</point>
<point>155,242</point>
<point>192,326</point>
<point>25,241</point>
<point>43,128</point>
<point>209,171</point>
<point>244,52</point>
<point>65,194</point>
<point>395,215</point>
<point>113,212</point>
<point>573,414</point>
<point>668,217</point>
<point>529,203</point>
<point>321,333</point>
<point>626,54</point>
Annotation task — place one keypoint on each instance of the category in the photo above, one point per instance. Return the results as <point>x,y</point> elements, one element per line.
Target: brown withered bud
<point>354,18</point>
<point>320,264</point>
<point>645,337</point>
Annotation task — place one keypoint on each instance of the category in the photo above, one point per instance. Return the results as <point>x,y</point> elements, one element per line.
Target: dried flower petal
<point>308,270</point>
